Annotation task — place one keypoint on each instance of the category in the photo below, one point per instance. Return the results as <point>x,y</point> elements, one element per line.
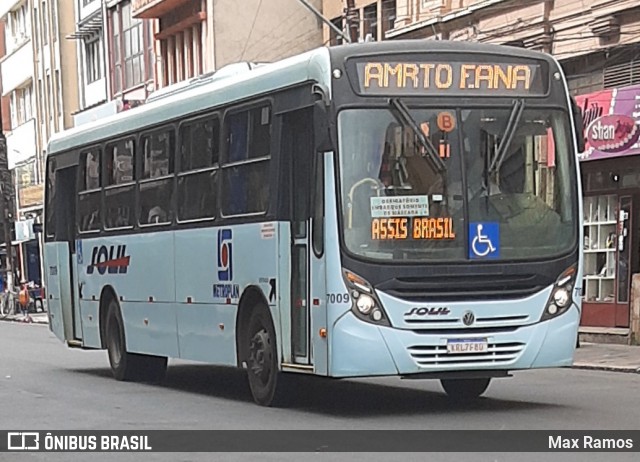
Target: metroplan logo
<point>225,255</point>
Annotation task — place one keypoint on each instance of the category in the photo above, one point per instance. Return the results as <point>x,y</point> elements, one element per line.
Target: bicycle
<point>7,304</point>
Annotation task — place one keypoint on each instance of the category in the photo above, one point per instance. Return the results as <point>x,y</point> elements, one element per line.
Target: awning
<point>89,28</point>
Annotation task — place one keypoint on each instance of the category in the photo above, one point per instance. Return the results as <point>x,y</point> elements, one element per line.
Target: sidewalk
<point>607,357</point>
<point>34,318</point>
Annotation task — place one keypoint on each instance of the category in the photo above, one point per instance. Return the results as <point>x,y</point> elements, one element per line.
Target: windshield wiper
<point>401,113</point>
<point>507,137</point>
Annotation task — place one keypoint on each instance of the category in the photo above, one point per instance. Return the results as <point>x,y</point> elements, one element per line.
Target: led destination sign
<point>415,228</point>
<point>457,78</point>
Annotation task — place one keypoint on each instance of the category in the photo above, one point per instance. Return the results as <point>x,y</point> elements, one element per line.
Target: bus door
<point>62,274</point>
<point>307,284</point>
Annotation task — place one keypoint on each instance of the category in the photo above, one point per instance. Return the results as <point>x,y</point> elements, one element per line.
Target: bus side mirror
<point>321,133</point>
<point>37,228</point>
<point>579,125</point>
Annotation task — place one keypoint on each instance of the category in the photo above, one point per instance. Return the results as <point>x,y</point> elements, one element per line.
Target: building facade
<point>41,100</point>
<point>195,37</point>
<point>372,19</point>
<point>115,55</point>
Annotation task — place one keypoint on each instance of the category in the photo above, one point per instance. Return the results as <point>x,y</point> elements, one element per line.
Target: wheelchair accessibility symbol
<point>484,240</point>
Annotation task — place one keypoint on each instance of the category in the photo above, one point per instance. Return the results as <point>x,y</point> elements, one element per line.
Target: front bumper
<point>361,349</point>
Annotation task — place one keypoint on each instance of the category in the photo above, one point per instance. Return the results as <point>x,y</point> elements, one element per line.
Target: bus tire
<point>262,358</point>
<point>465,389</point>
<point>129,366</point>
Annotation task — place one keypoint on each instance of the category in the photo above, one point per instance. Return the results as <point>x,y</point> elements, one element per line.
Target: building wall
<point>4,109</point>
<point>372,17</point>
<point>566,28</point>
<point>68,63</point>
<point>252,30</point>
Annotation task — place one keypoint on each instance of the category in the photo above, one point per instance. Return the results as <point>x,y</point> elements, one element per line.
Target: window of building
<point>156,184</point>
<point>132,48</point>
<point>334,37</point>
<point>54,19</point>
<point>93,55</point>
<point>181,50</point>
<point>18,27</point>
<point>245,174</point>
<point>370,22</point>
<point>45,22</point>
<point>198,177</point>
<point>89,217</point>
<point>388,18</point>
<point>58,94</point>
<point>21,106</point>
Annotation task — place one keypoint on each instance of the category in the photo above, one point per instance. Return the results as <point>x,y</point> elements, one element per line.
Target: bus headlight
<point>365,304</point>
<point>560,300</point>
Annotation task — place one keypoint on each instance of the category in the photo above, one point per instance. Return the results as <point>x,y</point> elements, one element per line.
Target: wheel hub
<point>260,355</point>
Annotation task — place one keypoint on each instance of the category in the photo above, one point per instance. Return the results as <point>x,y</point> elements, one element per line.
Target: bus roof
<point>205,93</point>
<point>433,46</point>
<point>210,91</point>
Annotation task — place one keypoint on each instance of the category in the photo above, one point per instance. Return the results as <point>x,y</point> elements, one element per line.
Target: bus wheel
<point>465,389</point>
<point>262,357</point>
<point>125,365</point>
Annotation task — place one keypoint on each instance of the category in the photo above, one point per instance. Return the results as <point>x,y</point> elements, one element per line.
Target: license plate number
<point>471,345</point>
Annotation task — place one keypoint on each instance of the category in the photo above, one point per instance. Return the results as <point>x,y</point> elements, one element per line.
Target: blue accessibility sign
<point>484,240</point>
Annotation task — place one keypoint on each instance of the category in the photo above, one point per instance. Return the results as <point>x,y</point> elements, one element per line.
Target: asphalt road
<point>44,385</point>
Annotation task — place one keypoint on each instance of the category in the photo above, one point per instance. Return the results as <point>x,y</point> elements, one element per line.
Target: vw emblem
<point>468,318</point>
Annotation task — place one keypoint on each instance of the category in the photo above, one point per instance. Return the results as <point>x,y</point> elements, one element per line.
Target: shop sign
<point>30,196</point>
<point>611,120</point>
<point>613,133</point>
<point>24,230</point>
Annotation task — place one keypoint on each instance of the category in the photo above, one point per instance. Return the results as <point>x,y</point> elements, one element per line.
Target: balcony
<point>154,8</point>
<point>21,143</point>
<point>17,68</point>
<point>6,6</point>
<point>88,8</point>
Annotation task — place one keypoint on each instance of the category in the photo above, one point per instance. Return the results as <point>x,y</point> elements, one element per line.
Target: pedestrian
<point>23,299</point>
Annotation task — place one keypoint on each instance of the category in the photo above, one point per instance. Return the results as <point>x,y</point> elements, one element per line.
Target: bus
<point>402,208</point>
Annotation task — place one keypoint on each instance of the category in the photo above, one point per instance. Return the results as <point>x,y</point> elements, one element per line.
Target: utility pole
<point>353,20</point>
<point>6,204</point>
<point>321,17</point>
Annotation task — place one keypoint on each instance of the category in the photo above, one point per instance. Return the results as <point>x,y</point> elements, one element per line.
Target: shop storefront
<point>611,188</point>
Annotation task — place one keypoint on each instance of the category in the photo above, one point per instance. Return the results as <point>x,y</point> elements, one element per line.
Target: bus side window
<point>119,189</point>
<point>156,184</point>
<point>89,195</point>
<point>50,215</point>
<point>197,178</point>
<point>246,170</point>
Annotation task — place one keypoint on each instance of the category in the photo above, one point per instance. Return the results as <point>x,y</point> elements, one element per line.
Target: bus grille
<point>437,356</point>
<point>463,287</point>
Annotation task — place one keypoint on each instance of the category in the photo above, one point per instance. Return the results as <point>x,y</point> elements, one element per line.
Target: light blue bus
<point>405,208</point>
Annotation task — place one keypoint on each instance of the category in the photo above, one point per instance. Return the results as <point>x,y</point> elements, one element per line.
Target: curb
<point>21,321</point>
<point>609,368</point>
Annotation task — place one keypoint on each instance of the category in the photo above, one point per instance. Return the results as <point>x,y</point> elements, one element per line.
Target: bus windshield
<point>505,177</point>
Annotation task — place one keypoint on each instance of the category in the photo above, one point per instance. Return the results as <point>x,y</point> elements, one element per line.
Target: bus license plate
<point>469,345</point>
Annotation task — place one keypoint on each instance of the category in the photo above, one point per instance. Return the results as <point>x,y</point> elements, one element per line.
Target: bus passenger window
<point>246,172</point>
<point>119,193</point>
<point>197,179</point>
<point>89,195</point>
<point>119,162</point>
<point>156,185</point>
